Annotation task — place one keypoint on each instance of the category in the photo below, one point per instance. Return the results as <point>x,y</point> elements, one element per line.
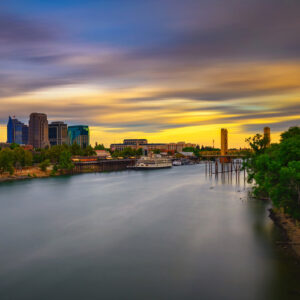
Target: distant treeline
<point>275,170</point>
<point>16,157</point>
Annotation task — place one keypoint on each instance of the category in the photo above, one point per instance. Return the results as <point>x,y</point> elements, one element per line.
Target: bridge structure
<point>228,158</point>
<point>237,155</point>
<point>224,161</point>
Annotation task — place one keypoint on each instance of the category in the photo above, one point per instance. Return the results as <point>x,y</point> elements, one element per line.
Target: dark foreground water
<point>167,234</point>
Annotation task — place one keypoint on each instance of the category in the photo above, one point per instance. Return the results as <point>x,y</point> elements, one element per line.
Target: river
<point>164,234</point>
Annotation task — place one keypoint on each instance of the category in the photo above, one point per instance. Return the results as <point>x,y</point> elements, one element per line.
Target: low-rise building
<point>102,154</point>
<point>143,144</point>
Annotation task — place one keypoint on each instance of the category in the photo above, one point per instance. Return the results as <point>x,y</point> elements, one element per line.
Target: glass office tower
<point>79,134</point>
<point>16,131</point>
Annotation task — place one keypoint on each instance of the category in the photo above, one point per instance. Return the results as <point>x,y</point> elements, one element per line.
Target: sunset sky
<point>166,70</point>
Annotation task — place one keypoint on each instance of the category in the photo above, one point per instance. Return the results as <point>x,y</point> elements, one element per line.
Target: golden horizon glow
<point>162,114</point>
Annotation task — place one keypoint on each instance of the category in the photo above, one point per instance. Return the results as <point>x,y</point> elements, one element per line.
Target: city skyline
<point>164,70</point>
<point>57,138</point>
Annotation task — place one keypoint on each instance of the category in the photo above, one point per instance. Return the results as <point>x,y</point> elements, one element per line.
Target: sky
<point>165,70</point>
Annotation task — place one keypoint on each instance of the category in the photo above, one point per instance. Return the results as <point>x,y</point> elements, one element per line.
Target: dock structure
<point>216,167</point>
<point>104,165</point>
<point>232,168</point>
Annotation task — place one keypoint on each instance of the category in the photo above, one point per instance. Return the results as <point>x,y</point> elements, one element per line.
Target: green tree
<point>54,153</point>
<point>258,143</point>
<point>14,146</point>
<point>275,170</point>
<point>28,159</point>
<point>139,152</point>
<point>292,132</point>
<point>6,161</point>
<point>44,165</point>
<point>195,150</point>
<point>65,161</point>
<point>22,157</point>
<point>88,151</point>
<point>99,147</point>
<point>75,149</point>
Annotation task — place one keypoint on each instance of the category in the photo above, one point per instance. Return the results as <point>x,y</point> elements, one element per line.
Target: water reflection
<point>172,234</point>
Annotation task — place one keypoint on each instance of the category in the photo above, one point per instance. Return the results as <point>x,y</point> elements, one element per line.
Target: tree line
<point>60,156</point>
<point>16,157</point>
<point>275,170</point>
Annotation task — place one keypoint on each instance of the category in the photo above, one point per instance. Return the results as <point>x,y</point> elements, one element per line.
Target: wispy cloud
<point>153,67</point>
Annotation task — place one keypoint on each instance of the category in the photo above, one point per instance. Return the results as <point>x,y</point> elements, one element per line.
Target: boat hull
<point>148,168</point>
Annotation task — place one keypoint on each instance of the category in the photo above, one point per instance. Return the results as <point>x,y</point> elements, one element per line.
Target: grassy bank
<point>25,173</point>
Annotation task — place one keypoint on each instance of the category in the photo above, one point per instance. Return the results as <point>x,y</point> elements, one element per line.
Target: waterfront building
<point>80,135</point>
<point>16,131</point>
<point>58,133</point>
<point>224,141</point>
<point>267,135</point>
<point>102,154</point>
<point>135,142</point>
<point>143,144</point>
<point>38,130</point>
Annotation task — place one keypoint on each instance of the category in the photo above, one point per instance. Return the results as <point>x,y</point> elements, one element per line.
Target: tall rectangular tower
<point>38,130</point>
<point>224,141</point>
<point>25,134</point>
<point>58,133</point>
<point>267,135</point>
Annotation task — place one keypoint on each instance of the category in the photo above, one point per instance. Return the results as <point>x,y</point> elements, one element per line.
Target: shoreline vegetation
<point>18,163</point>
<point>26,173</point>
<point>274,171</point>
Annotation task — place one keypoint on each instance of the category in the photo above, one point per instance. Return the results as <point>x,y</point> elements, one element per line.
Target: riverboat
<point>151,163</point>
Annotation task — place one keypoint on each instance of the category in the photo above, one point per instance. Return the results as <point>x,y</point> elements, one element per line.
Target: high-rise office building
<point>25,134</point>
<point>58,133</point>
<point>16,131</point>
<point>38,130</point>
<point>267,135</point>
<point>224,141</point>
<point>79,134</point>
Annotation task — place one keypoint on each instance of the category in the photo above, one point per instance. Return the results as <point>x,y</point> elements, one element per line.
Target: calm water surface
<point>165,234</point>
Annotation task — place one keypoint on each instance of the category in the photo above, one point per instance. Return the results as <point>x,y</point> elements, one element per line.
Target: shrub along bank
<point>275,170</point>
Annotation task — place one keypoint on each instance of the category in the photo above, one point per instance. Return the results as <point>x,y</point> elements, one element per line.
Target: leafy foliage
<point>275,170</point>
<point>195,150</point>
<point>99,147</point>
<point>17,157</point>
<point>6,161</point>
<point>128,152</point>
<point>65,162</point>
<point>44,165</point>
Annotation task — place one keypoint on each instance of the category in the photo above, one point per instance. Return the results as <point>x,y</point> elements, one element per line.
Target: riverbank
<point>291,229</point>
<point>79,168</point>
<point>25,173</point>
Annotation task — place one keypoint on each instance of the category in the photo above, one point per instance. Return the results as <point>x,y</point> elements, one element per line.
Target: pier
<point>234,168</point>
